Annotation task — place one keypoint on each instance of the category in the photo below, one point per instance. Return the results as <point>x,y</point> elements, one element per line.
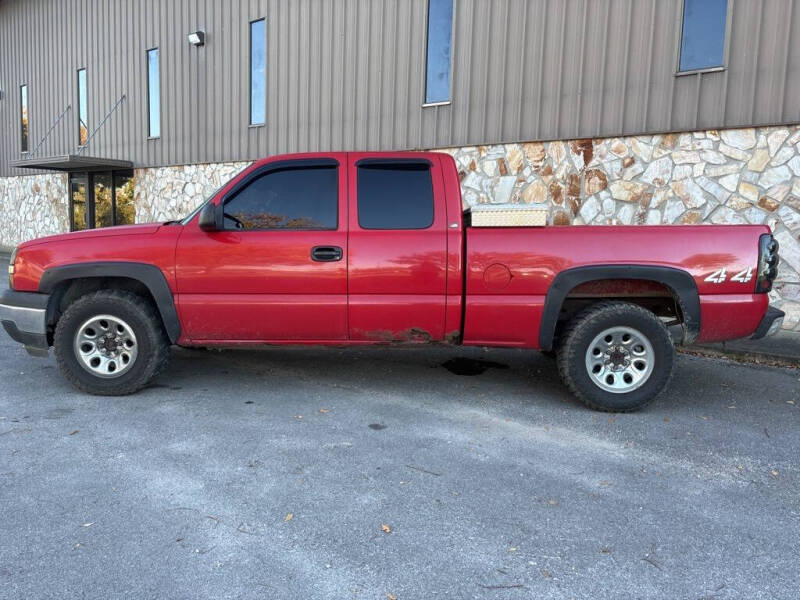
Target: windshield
<point>208,199</point>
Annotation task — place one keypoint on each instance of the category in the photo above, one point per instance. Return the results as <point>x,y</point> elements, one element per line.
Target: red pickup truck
<point>375,248</point>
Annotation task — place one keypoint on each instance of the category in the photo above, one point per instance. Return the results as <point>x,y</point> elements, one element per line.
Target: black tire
<point>584,329</point>
<point>143,319</point>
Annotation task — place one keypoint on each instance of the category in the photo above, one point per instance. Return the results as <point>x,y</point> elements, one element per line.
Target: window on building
<point>290,198</point>
<point>258,72</point>
<point>440,38</point>
<point>703,34</point>
<point>101,199</point>
<point>153,95</point>
<point>23,103</point>
<point>395,195</point>
<point>83,128</point>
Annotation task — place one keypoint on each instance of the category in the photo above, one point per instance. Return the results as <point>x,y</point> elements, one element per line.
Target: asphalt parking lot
<point>314,473</point>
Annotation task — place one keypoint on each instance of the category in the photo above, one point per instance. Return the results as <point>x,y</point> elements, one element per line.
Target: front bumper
<point>770,324</point>
<point>24,317</point>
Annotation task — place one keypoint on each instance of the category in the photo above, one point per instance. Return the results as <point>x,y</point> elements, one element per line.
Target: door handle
<point>326,253</point>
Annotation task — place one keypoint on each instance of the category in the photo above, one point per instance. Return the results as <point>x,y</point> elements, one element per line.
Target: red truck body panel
<point>149,243</point>
<point>506,310</point>
<point>446,283</point>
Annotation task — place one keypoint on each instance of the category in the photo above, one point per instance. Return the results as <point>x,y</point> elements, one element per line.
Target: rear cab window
<point>394,194</point>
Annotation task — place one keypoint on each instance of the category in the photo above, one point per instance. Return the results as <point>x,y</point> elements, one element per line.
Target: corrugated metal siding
<point>349,74</point>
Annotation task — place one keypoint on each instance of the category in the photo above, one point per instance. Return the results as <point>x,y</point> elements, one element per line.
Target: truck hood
<point>142,229</point>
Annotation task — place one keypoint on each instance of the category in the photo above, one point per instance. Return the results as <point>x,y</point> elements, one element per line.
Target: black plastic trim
<point>769,318</point>
<point>388,160</point>
<point>36,341</point>
<point>150,275</point>
<point>24,299</point>
<point>680,282</point>
<point>326,253</point>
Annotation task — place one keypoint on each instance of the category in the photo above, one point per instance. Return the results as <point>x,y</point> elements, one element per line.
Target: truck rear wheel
<point>110,343</point>
<point>616,356</point>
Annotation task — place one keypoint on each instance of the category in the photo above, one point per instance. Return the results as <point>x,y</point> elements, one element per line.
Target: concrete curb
<point>781,349</point>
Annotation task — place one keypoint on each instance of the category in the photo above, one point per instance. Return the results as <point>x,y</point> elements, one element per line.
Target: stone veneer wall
<point>730,176</point>
<point>32,206</point>
<point>169,193</point>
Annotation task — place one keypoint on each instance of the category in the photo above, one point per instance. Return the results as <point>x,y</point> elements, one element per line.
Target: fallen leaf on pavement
<point>391,596</point>
<point>553,502</point>
<point>774,473</point>
<point>385,528</point>
<point>323,410</point>
<point>74,432</point>
<point>288,517</point>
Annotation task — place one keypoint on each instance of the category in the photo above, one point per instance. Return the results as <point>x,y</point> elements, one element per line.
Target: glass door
<point>103,205</point>
<point>101,199</point>
<point>79,215</point>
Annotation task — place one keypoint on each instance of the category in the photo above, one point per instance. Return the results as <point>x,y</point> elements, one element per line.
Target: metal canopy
<point>71,162</point>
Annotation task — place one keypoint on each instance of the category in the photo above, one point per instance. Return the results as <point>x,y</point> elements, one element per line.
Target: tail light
<point>767,263</point>
<point>11,269</point>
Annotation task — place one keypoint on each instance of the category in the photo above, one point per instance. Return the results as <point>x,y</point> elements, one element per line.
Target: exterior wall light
<point>197,38</point>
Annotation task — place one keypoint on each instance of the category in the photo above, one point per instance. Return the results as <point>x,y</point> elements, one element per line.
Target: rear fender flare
<point>680,282</point>
<point>149,275</point>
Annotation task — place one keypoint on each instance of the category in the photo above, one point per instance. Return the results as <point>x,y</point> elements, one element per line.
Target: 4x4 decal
<point>721,275</point>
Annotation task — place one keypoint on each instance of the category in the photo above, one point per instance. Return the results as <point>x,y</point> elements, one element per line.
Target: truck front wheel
<point>110,343</point>
<point>616,356</point>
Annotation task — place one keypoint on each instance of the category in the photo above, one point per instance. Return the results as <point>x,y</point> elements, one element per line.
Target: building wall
<point>349,74</point>
<point>32,206</point>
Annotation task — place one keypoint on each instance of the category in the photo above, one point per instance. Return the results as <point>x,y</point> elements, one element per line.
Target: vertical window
<point>703,34</point>
<point>395,195</point>
<point>258,72</point>
<point>23,103</point>
<point>83,129</point>
<point>440,38</point>
<point>153,95</point>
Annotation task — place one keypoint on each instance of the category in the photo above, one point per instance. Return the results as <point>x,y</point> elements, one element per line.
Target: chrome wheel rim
<point>620,360</point>
<point>105,346</point>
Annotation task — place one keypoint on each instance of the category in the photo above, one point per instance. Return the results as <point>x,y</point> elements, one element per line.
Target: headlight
<point>767,263</point>
<point>11,268</point>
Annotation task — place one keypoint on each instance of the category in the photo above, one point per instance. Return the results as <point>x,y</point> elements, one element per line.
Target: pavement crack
<point>421,470</point>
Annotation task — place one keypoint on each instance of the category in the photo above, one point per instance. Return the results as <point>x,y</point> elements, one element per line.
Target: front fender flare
<point>149,275</point>
<point>680,282</point>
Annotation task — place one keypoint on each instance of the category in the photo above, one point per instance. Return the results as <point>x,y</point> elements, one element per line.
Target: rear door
<point>278,269</point>
<point>397,248</point>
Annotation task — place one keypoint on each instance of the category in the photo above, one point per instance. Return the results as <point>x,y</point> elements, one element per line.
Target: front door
<point>278,270</point>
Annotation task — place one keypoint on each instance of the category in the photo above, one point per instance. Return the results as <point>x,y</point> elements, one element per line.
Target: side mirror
<point>208,217</point>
